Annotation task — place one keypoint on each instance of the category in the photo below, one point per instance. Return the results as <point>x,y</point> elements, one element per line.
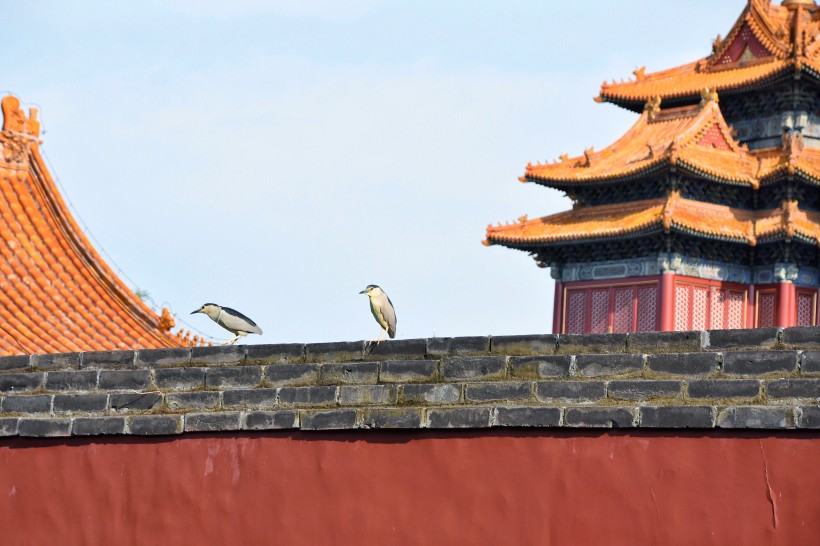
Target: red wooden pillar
<point>667,302</point>
<point>785,315</point>
<point>558,308</point>
<point>751,309</point>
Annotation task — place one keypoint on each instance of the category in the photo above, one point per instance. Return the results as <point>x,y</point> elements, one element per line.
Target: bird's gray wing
<point>389,313</point>
<point>237,322</point>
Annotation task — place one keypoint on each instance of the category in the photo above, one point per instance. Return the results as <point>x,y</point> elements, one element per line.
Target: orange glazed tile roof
<point>790,221</point>
<point>693,137</point>
<point>766,42</point>
<point>615,220</point>
<point>686,80</point>
<point>628,219</point>
<point>672,213</point>
<point>793,158</point>
<point>56,293</point>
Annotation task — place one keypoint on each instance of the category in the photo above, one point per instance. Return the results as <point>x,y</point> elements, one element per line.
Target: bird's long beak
<point>197,311</point>
<point>363,292</point>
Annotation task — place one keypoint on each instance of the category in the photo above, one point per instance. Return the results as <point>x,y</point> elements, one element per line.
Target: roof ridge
<point>118,294</point>
<point>659,137</point>
<point>60,295</point>
<point>763,41</point>
<point>711,116</point>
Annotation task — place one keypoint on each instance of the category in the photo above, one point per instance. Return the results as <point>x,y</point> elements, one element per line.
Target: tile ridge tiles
<point>765,22</point>
<point>787,219</point>
<point>538,171</point>
<point>689,124</point>
<point>780,160</point>
<point>135,310</point>
<point>745,219</point>
<point>711,116</point>
<point>690,83</point>
<point>12,296</point>
<point>35,247</point>
<point>81,299</point>
<point>671,213</point>
<point>515,232</point>
<point>760,27</point>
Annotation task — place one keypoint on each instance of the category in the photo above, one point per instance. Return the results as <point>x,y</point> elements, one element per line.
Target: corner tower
<point>706,213</point>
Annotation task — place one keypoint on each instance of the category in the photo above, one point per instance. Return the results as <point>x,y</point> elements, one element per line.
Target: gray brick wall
<point>737,379</point>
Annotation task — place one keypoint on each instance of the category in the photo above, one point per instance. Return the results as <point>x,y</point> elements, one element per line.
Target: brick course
<point>739,379</point>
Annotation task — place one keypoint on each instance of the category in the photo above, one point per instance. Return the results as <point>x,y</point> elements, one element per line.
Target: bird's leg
<point>381,337</point>
<point>373,343</point>
<point>233,340</point>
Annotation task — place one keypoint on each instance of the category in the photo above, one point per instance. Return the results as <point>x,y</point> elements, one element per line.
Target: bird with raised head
<point>382,309</point>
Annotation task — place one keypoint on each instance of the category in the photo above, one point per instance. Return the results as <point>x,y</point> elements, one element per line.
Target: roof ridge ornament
<point>793,144</point>
<point>19,133</point>
<point>166,321</point>
<point>674,150</point>
<point>669,208</point>
<point>588,154</point>
<point>708,95</point>
<point>716,44</point>
<point>788,206</point>
<point>652,107</point>
<point>15,120</point>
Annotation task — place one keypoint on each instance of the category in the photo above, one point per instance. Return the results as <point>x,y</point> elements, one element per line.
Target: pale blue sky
<point>277,156</point>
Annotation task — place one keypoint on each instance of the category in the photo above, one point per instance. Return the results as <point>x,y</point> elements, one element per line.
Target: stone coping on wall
<point>766,378</point>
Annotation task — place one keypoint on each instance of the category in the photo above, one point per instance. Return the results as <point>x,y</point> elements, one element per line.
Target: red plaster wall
<point>517,487</point>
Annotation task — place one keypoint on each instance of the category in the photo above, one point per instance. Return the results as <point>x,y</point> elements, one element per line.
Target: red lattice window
<point>682,307</point>
<point>599,316</point>
<point>765,308</point>
<point>806,305</point>
<point>708,306</point>
<point>736,303</point>
<point>622,314</point>
<point>646,321</point>
<point>576,311</point>
<point>718,309</point>
<point>700,306</point>
<point>620,308</point>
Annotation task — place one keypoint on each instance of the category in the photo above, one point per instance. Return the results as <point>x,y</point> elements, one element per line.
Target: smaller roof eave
<point>532,246</point>
<point>671,138</point>
<point>687,85</point>
<point>655,167</point>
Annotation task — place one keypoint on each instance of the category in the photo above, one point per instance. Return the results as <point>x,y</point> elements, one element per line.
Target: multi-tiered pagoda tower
<point>706,213</point>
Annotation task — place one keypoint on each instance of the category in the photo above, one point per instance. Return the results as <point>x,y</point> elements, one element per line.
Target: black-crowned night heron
<point>382,309</point>
<point>230,319</point>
